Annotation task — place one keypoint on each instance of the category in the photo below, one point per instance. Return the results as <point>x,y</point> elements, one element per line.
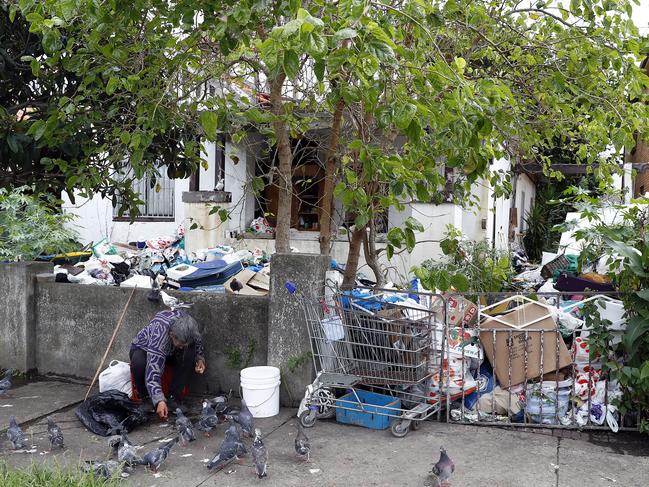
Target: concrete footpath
<point>341,455</point>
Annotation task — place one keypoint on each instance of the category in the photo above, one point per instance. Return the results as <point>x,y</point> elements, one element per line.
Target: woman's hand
<point>200,366</point>
<point>161,410</point>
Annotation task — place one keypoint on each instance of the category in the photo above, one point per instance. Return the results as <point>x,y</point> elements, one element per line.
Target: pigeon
<point>221,406</point>
<point>235,285</point>
<point>259,455</point>
<point>113,443</point>
<point>172,302</point>
<point>229,450</point>
<point>208,420</point>
<point>302,445</point>
<point>127,453</point>
<point>444,467</point>
<point>185,427</point>
<point>154,294</point>
<point>245,420</point>
<point>107,470</point>
<point>5,384</point>
<point>16,435</point>
<point>220,185</point>
<point>55,434</point>
<point>155,457</point>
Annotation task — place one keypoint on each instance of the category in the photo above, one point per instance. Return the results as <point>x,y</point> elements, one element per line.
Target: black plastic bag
<point>110,412</point>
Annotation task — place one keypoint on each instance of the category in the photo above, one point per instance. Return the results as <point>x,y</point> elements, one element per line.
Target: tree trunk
<point>349,279</point>
<point>326,207</point>
<point>371,256</point>
<point>284,169</point>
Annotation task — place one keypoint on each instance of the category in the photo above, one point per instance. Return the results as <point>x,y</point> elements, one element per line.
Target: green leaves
<point>291,63</point>
<point>346,33</point>
<point>315,45</point>
<point>209,122</point>
<point>405,112</point>
<point>381,50</point>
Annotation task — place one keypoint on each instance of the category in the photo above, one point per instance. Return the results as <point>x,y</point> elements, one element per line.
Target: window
<point>157,197</point>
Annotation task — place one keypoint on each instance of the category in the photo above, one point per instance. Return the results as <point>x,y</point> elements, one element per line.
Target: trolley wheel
<point>307,418</point>
<point>326,400</point>
<point>416,424</point>
<point>400,428</point>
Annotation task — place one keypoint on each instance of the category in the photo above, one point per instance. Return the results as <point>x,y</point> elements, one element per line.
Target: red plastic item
<point>167,377</point>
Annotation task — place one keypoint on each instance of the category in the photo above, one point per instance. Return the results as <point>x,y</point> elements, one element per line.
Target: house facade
<point>230,170</point>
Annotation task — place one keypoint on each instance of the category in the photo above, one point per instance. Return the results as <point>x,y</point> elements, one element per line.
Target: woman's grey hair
<point>185,329</point>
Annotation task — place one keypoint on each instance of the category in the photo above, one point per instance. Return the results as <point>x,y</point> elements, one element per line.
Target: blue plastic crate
<point>373,403</point>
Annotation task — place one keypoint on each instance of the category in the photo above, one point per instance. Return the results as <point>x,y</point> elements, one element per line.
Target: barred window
<point>157,196</point>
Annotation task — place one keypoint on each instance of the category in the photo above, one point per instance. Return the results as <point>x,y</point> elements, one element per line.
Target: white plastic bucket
<point>260,389</point>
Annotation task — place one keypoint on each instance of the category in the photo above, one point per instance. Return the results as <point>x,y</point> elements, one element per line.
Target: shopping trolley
<point>360,342</point>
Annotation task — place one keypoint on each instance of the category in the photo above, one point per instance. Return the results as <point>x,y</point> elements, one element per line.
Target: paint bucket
<point>260,389</point>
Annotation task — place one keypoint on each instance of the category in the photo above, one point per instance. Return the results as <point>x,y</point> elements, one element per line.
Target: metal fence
<point>525,360</point>
<point>516,359</point>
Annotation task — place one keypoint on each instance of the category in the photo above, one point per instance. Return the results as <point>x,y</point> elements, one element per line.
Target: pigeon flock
<point>213,413</point>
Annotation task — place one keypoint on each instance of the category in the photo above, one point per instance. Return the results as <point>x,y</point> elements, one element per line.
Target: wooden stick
<point>110,344</point>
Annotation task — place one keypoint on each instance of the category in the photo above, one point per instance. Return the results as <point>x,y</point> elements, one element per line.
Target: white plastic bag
<point>116,376</point>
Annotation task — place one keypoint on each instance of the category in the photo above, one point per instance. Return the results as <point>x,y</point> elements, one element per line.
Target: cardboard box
<point>460,310</point>
<point>508,350</point>
<point>254,283</point>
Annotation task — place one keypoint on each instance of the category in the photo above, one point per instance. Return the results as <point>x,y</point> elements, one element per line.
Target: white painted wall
<point>95,219</point>
<point>525,197</point>
<point>497,211</point>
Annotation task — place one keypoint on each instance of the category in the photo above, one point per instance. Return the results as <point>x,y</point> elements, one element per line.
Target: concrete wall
<point>65,328</point>
<point>17,314</point>
<point>75,323</point>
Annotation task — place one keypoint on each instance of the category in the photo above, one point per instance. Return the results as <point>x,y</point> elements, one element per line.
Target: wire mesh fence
<point>532,360</point>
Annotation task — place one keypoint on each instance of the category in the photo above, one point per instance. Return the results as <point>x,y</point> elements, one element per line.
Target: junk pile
<point>515,357</point>
<point>164,260</point>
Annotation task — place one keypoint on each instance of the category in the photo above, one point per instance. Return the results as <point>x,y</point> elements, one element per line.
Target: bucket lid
<point>260,372</point>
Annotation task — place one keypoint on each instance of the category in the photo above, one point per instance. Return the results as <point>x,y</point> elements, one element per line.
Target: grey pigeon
<point>107,470</point>
<point>16,435</point>
<point>185,427</point>
<point>302,445</point>
<point>236,286</point>
<point>245,420</point>
<point>444,467</point>
<point>55,434</point>
<point>229,450</point>
<point>5,384</point>
<point>208,420</point>
<point>259,455</point>
<point>127,453</point>
<point>155,457</point>
<point>113,443</point>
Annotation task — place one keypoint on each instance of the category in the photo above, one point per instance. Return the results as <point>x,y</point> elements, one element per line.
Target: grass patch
<point>51,476</point>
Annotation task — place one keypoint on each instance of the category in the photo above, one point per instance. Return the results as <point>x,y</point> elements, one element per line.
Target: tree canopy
<point>408,88</point>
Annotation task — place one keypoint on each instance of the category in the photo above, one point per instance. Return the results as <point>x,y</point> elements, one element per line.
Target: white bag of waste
<point>116,376</point>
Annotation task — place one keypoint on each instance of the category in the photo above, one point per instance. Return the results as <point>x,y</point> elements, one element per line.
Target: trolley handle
<point>290,287</point>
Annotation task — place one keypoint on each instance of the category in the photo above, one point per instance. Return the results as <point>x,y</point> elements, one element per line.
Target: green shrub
<point>467,266</point>
<point>32,225</point>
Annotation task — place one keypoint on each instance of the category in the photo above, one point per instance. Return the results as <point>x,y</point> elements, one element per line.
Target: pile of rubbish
<point>516,357</point>
<point>528,361</point>
<point>164,260</point>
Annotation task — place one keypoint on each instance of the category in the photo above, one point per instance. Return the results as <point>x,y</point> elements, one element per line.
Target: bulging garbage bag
<point>110,412</point>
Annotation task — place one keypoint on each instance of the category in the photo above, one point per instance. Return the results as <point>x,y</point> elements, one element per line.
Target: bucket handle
<point>261,403</point>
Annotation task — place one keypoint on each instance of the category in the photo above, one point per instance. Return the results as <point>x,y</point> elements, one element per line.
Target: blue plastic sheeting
<point>364,299</point>
<point>210,273</point>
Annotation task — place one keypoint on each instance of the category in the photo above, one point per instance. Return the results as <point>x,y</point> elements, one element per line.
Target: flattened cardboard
<point>508,350</point>
<point>254,283</point>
